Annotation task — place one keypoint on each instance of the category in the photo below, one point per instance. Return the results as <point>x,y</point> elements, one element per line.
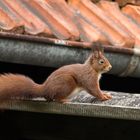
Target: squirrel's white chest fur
<point>99,76</point>
<point>78,89</point>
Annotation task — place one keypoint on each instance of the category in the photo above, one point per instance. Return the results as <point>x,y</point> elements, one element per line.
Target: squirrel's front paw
<point>105,97</point>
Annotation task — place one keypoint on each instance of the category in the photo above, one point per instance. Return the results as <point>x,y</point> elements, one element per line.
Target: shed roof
<point>80,20</point>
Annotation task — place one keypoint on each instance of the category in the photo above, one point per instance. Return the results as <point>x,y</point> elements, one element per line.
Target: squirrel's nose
<point>110,67</point>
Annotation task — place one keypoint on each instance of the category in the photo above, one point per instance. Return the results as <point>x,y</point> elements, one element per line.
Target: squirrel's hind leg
<point>65,89</point>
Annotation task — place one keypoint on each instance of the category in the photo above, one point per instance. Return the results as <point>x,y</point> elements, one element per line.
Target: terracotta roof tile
<point>21,15</point>
<point>65,16</point>
<point>133,12</point>
<point>7,20</point>
<point>124,2</point>
<point>80,20</point>
<point>124,21</point>
<point>97,16</point>
<point>89,32</point>
<point>54,20</point>
<point>113,11</point>
<point>6,23</point>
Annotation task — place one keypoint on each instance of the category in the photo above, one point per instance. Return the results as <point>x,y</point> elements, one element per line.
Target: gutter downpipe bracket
<point>133,63</point>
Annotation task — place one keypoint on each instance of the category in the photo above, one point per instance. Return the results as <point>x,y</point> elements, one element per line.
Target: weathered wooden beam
<point>122,106</point>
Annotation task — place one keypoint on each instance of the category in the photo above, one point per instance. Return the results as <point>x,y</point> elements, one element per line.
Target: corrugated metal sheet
<point>80,20</point>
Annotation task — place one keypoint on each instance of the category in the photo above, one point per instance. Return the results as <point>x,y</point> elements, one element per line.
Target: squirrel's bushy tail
<point>17,86</point>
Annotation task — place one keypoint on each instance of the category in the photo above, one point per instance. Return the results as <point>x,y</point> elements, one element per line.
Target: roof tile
<point>124,2</point>
<point>89,32</point>
<point>7,24</point>
<point>33,25</point>
<point>57,24</point>
<point>80,20</point>
<point>133,12</point>
<point>64,15</point>
<point>98,17</point>
<point>113,11</point>
<point>126,22</point>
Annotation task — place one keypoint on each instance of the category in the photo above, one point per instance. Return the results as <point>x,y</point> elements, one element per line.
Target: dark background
<point>42,126</point>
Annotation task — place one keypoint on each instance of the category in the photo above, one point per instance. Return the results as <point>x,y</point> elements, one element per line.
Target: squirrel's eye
<point>101,61</point>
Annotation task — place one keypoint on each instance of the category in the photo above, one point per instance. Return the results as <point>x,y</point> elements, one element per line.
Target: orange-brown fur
<point>61,83</point>
<point>15,85</point>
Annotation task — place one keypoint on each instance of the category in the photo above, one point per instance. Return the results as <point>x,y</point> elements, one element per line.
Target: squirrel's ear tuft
<point>97,46</point>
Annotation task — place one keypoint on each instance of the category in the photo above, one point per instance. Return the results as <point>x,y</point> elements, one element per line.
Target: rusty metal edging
<point>26,49</point>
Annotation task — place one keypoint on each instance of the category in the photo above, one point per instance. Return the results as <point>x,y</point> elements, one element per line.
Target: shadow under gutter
<point>25,49</point>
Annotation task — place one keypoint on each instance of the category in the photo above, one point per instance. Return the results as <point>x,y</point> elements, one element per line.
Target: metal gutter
<point>68,43</point>
<point>42,51</point>
<point>122,106</point>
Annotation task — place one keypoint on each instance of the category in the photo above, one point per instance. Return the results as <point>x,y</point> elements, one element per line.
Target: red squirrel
<point>61,83</point>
